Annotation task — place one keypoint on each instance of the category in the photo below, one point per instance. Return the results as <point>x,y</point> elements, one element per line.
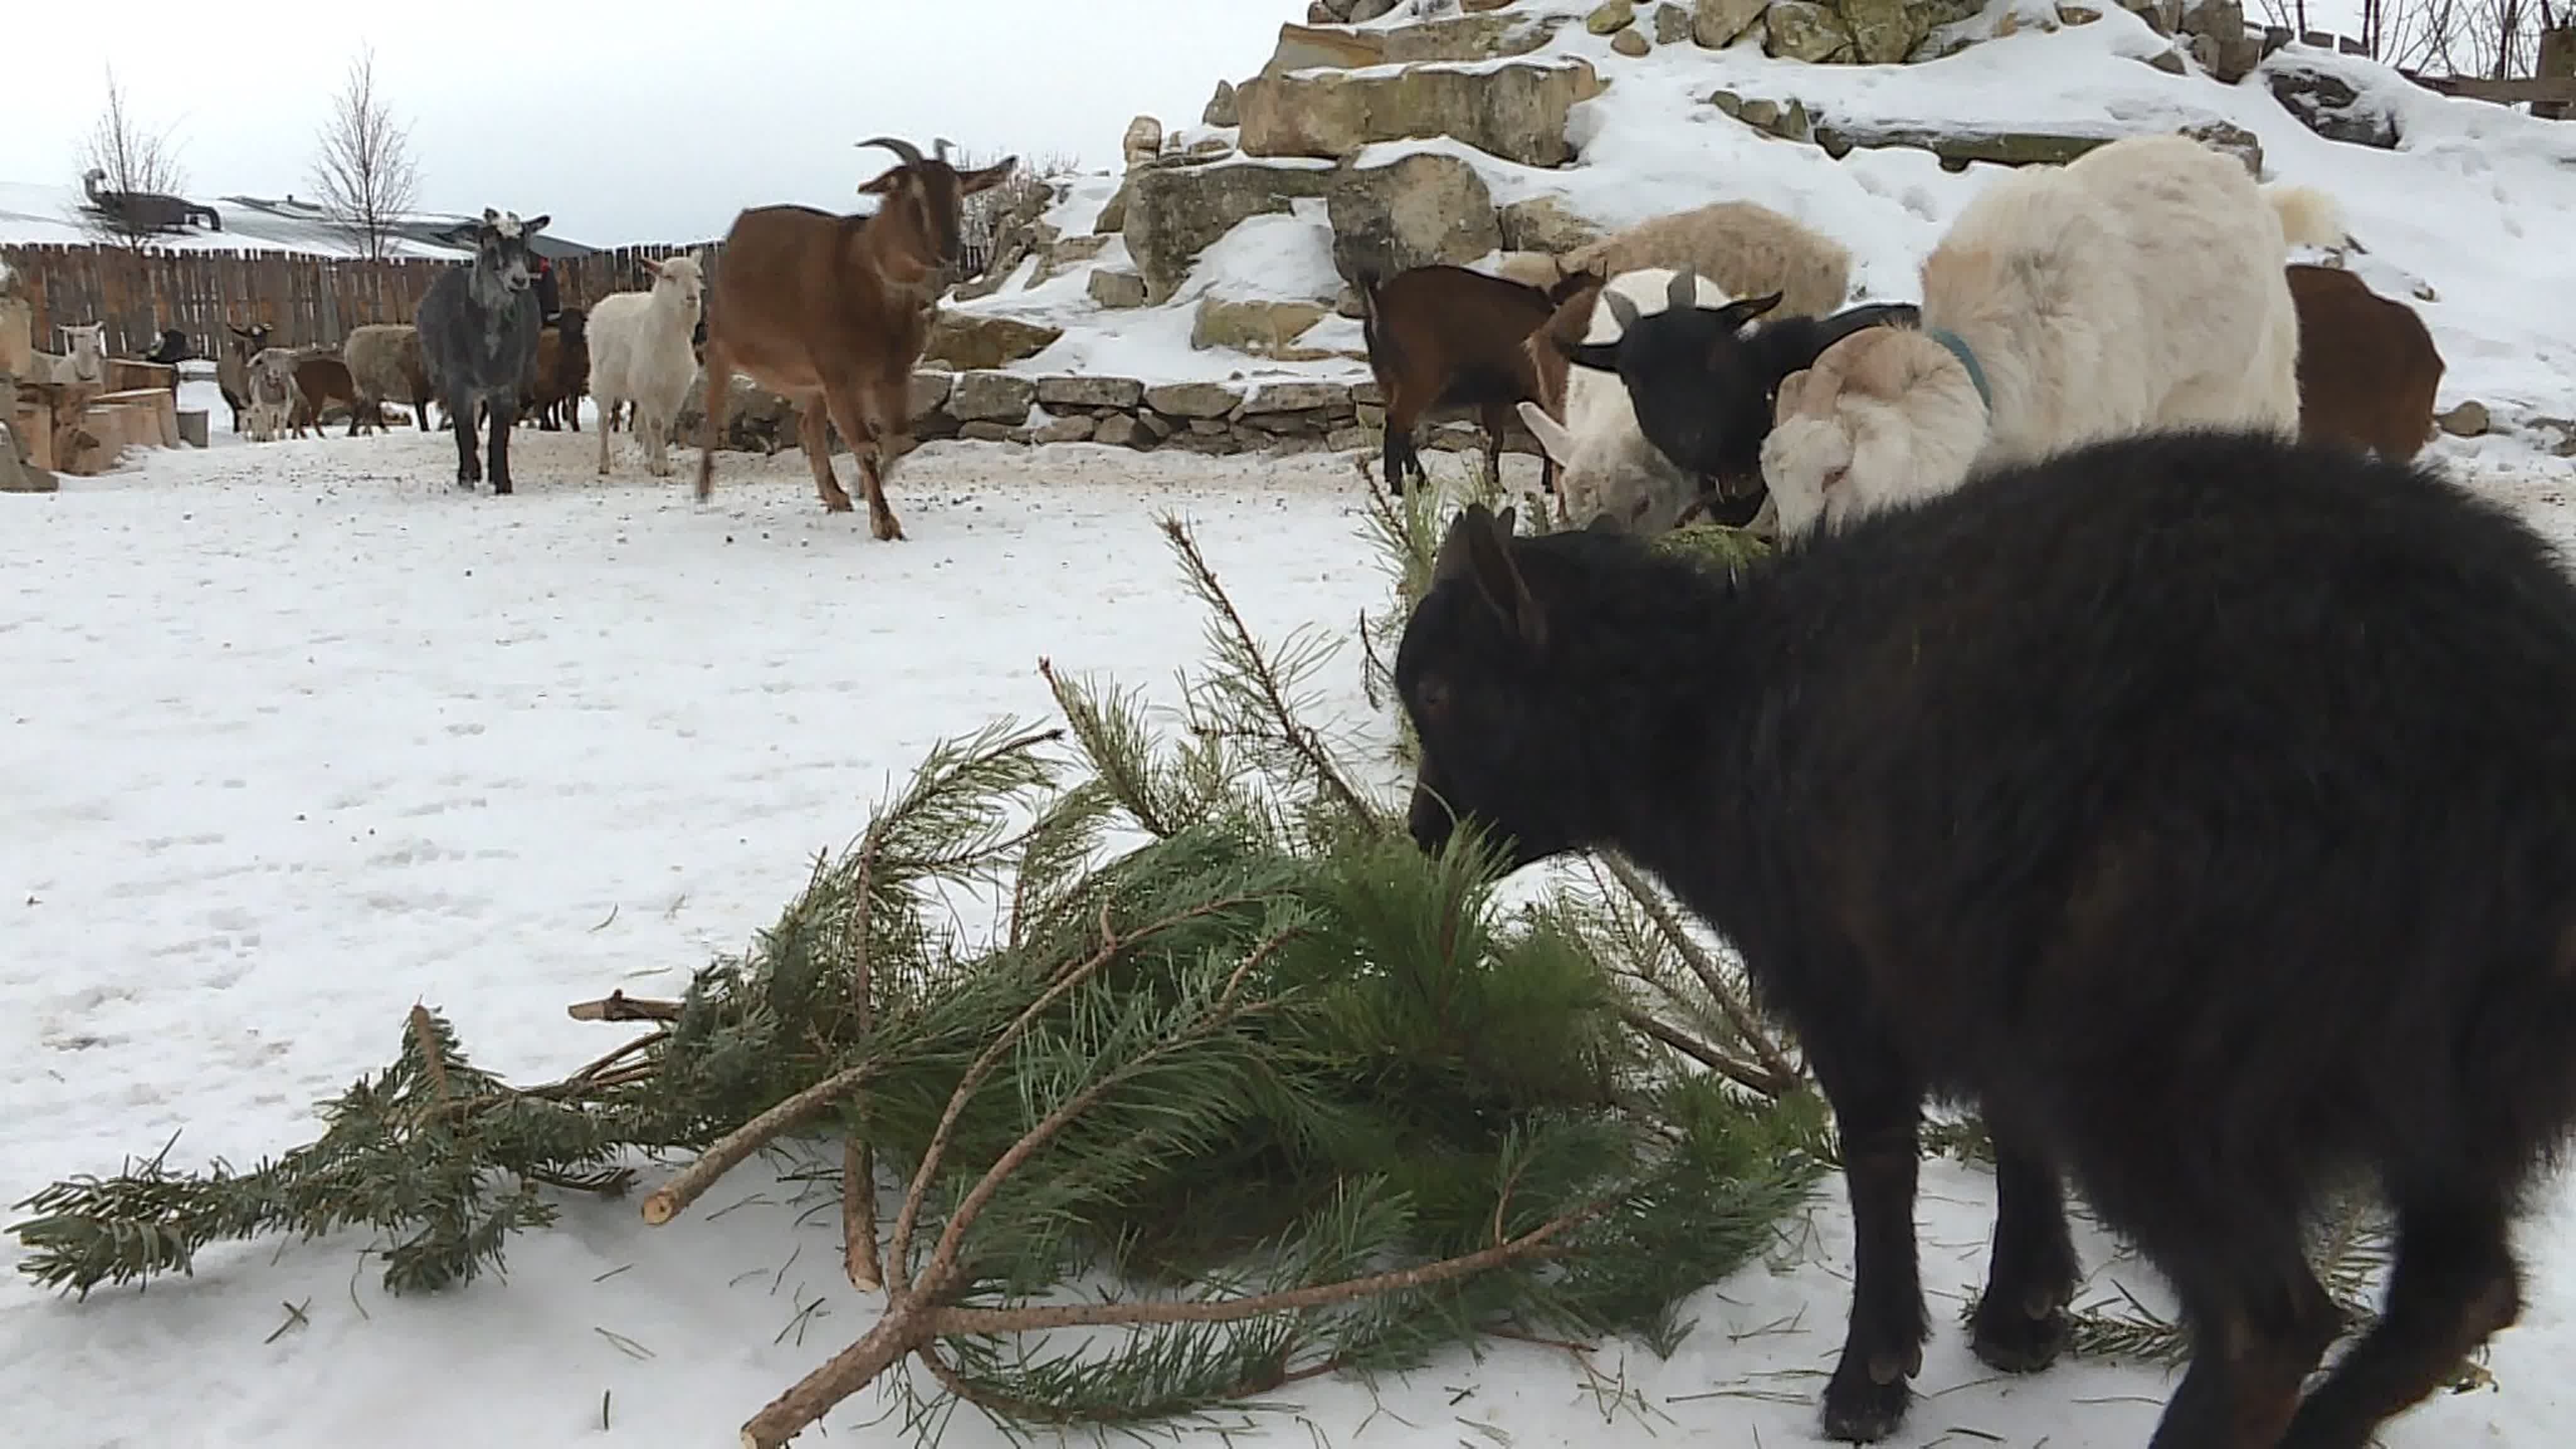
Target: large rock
<point>1220,107</point>
<point>1884,31</point>
<point>1804,30</point>
<point>1272,399</point>
<point>930,392</point>
<point>985,339</point>
<point>1115,287</point>
<point>1631,43</point>
<point>1143,140</point>
<point>2233,139</point>
<point>1958,149</point>
<point>1716,23</point>
<point>1065,253</point>
<point>1089,392</point>
<point>1516,110</point>
<point>2328,105</point>
<point>1175,212</point>
<point>1252,326</point>
<point>756,419</point>
<point>1672,23</point>
<point>1192,399</point>
<point>1424,208</point>
<point>1610,17</point>
<point>1542,224</point>
<point>995,397</point>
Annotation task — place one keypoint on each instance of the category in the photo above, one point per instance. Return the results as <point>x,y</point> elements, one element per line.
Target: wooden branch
<point>859,1216</point>
<point>424,1034</point>
<point>618,1006</point>
<point>729,1150</point>
<point>1738,1014</point>
<point>1743,1074</point>
<point>840,1376</point>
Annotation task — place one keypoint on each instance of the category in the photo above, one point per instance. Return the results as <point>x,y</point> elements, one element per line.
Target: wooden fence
<point>312,301</point>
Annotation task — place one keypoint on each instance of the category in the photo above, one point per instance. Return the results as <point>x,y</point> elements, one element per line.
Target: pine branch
<point>1784,1075</point>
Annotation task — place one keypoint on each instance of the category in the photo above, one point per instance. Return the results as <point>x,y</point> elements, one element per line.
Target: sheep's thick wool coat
<point>2136,289</point>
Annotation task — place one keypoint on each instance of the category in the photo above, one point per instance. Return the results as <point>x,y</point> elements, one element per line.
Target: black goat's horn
<point>1622,311</point>
<point>1684,292</point>
<point>911,154</point>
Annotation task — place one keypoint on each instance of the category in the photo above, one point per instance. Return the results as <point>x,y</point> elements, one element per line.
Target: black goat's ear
<point>1598,356</point>
<point>1489,562</point>
<point>1603,522</point>
<point>1740,314</point>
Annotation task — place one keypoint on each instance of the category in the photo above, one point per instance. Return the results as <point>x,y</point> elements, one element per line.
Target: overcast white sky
<point>628,120</point>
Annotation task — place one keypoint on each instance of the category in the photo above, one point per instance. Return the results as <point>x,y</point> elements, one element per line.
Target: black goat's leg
<point>2258,1319</point>
<point>469,468</point>
<point>504,417</point>
<point>2021,1322</point>
<point>1876,1116</point>
<point>1392,456</point>
<point>1495,417</point>
<point>2455,1284</point>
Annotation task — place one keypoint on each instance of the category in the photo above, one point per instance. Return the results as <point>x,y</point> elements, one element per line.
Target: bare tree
<point>364,170</point>
<point>122,163</point>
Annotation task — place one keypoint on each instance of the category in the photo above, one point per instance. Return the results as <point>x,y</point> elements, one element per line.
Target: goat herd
<point>829,311</point>
<point>2190,797</point>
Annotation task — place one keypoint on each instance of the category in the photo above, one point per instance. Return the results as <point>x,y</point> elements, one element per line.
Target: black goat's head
<point>1701,391</point>
<point>1479,671</point>
<point>501,247</point>
<point>929,195</point>
<point>251,341</point>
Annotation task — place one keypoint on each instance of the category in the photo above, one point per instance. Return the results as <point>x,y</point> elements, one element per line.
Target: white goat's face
<point>86,341</point>
<point>682,279</point>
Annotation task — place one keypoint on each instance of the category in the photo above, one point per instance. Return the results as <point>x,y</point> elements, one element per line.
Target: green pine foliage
<point>1263,1043</point>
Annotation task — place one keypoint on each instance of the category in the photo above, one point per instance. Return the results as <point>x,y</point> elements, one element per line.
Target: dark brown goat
<point>552,397</point>
<point>2192,804</point>
<point>831,312</point>
<point>1447,337</point>
<point>321,380</point>
<point>2368,368</point>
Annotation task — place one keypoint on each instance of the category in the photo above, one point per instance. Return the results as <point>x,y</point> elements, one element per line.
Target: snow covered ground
<point>297,735</point>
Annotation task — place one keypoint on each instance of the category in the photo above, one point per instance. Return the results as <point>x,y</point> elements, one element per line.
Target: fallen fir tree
<point>1315,1100</point>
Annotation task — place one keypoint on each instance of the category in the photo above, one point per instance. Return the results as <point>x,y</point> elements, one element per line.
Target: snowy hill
<point>2466,217</point>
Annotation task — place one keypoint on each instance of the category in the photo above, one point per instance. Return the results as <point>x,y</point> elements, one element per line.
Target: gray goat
<point>478,340</point>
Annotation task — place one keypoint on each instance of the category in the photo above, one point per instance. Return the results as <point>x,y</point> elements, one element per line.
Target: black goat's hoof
<point>2007,1338</point>
<point>1861,1410</point>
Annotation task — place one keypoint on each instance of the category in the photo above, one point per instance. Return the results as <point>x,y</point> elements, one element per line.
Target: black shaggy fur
<point>478,341</point>
<point>2198,806</point>
<point>1703,379</point>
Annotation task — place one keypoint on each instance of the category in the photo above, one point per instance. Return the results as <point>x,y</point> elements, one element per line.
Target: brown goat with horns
<point>831,312</point>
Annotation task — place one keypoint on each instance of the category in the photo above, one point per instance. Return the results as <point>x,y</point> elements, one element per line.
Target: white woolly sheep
<point>1604,464</point>
<point>272,393</point>
<point>84,360</point>
<point>1746,249</point>
<point>2136,289</point>
<point>639,352</point>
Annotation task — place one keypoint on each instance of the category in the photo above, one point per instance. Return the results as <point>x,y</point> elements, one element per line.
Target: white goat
<point>1748,250</point>
<point>272,393</point>
<point>2136,289</point>
<point>639,352</point>
<point>1604,464</point>
<point>85,359</point>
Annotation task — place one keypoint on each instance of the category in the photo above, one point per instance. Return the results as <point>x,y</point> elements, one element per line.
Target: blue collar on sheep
<point>1959,349</point>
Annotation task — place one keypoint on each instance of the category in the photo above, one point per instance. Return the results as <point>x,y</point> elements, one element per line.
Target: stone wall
<point>1268,415</point>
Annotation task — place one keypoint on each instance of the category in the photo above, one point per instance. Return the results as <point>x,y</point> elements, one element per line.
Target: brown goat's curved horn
<point>910,153</point>
<point>1622,311</point>
<point>1683,294</point>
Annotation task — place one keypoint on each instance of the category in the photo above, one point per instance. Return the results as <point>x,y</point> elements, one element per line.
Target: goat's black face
<point>1475,673</point>
<point>1699,383</point>
<point>501,248</point>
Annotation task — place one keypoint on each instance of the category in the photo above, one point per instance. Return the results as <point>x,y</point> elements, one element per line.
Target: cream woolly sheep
<point>2136,289</point>
<point>639,352</point>
<point>1747,250</point>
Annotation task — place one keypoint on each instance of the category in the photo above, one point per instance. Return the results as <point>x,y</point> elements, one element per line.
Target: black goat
<point>478,340</point>
<point>2195,804</point>
<point>1446,337</point>
<point>172,349</point>
<point>1702,380</point>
